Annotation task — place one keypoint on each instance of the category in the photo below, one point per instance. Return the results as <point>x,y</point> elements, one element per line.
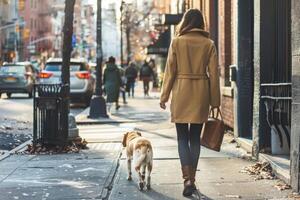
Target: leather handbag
<point>213,131</point>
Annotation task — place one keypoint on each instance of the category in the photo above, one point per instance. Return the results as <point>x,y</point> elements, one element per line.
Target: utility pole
<point>98,104</point>
<point>66,52</point>
<point>121,33</point>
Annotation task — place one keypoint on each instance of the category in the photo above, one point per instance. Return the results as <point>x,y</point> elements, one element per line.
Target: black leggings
<point>146,87</point>
<point>188,136</point>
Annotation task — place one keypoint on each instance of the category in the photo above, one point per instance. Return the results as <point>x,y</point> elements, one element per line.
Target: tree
<point>133,21</point>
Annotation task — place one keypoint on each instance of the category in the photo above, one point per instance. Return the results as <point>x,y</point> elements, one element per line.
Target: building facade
<point>36,35</point>
<point>9,30</point>
<point>110,33</point>
<point>33,29</point>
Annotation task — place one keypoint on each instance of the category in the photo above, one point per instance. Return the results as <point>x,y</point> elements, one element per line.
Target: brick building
<point>9,25</point>
<point>43,30</point>
<point>36,35</point>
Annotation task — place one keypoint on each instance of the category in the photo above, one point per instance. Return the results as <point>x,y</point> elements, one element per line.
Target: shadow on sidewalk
<point>152,194</point>
<point>199,196</point>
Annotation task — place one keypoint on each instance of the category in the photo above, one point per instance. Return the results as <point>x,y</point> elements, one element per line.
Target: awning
<point>161,45</point>
<point>171,19</point>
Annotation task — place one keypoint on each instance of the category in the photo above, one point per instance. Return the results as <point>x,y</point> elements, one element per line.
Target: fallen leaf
<point>282,186</point>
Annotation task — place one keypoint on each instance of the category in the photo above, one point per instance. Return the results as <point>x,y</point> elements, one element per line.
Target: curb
<point>278,170</point>
<point>82,119</point>
<point>17,149</point>
<point>90,122</point>
<point>108,185</point>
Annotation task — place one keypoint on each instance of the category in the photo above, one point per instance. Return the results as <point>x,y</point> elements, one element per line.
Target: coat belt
<point>192,76</point>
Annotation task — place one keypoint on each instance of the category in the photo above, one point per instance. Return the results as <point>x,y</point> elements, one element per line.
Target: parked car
<point>17,78</point>
<point>82,83</point>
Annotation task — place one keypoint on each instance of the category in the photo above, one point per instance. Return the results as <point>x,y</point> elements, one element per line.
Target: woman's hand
<point>163,105</point>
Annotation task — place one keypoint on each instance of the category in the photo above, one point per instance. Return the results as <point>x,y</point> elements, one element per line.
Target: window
<point>13,69</point>
<point>57,67</point>
<point>35,23</point>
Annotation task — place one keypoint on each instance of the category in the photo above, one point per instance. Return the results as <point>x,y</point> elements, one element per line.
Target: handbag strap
<point>212,113</point>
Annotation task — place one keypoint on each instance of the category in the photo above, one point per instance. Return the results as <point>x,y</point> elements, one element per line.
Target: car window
<point>57,67</point>
<point>12,69</point>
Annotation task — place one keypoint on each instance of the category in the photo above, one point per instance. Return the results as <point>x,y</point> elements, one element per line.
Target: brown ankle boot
<point>186,175</point>
<point>193,175</point>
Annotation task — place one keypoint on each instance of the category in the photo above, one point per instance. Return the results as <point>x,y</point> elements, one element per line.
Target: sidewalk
<point>101,171</point>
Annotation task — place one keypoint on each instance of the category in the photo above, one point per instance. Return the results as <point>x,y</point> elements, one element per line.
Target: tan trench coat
<point>193,77</point>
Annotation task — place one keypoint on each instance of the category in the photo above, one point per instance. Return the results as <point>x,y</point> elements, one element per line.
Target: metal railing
<point>277,99</point>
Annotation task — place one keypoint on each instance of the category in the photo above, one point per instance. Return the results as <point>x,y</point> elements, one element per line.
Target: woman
<point>192,75</point>
<point>112,82</point>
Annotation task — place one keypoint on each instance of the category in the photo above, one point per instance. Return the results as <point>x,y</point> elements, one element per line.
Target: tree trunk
<point>67,41</point>
<point>66,56</point>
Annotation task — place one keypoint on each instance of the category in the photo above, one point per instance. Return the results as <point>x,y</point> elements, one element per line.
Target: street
<point>16,120</point>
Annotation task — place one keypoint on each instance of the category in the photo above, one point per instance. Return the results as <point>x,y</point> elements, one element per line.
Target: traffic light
<point>26,33</point>
<point>12,55</point>
<point>21,5</point>
<point>17,28</point>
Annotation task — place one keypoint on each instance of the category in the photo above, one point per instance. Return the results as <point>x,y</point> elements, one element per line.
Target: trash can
<point>50,122</point>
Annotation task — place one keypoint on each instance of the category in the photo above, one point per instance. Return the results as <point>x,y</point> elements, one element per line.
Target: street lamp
<point>121,32</point>
<point>98,104</point>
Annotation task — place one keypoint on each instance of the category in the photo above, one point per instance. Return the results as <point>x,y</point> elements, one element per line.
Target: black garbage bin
<point>50,122</point>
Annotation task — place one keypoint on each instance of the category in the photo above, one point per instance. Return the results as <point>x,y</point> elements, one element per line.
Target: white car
<point>82,82</point>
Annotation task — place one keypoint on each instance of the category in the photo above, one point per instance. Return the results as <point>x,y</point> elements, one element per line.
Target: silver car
<point>82,82</point>
<point>17,78</point>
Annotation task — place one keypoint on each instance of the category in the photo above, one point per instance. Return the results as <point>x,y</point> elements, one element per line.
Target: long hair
<point>193,18</point>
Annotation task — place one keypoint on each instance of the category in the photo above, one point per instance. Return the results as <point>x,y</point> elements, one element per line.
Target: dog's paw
<point>141,186</point>
<point>129,178</point>
<point>148,187</point>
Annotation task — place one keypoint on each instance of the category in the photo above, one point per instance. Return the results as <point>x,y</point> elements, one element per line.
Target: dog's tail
<point>141,159</point>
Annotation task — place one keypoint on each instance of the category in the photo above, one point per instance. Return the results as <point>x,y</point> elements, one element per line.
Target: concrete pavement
<point>86,175</point>
<point>100,172</point>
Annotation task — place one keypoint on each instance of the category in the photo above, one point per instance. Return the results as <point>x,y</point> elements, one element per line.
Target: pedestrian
<point>131,74</point>
<point>146,73</point>
<point>192,75</point>
<point>112,82</point>
<point>155,75</point>
<point>123,84</point>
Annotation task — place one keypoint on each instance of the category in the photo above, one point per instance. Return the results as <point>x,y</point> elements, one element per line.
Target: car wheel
<point>8,95</point>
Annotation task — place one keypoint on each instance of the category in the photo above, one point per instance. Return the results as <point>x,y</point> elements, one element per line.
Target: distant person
<point>131,74</point>
<point>155,75</point>
<point>193,80</point>
<point>123,84</point>
<point>112,82</point>
<point>146,74</point>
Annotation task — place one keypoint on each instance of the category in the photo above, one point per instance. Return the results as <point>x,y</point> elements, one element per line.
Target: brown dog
<point>140,150</point>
